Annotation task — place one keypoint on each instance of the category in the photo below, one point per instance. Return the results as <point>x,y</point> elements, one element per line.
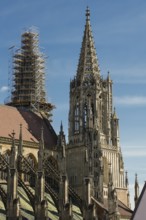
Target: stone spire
<point>88,63</point>
<point>61,147</point>
<point>13,202</point>
<point>61,139</point>
<point>126,180</point>
<point>136,190</point>
<point>41,151</point>
<point>20,152</point>
<point>115,130</point>
<point>65,205</point>
<point>20,146</point>
<point>41,207</point>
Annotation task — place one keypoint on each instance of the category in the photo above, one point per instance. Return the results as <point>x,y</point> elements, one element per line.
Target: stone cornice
<point>5,140</point>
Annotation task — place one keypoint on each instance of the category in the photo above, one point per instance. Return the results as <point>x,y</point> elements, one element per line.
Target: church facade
<point>41,175</point>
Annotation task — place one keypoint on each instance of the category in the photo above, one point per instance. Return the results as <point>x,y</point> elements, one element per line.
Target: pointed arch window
<point>92,112</point>
<point>76,115</point>
<point>85,115</point>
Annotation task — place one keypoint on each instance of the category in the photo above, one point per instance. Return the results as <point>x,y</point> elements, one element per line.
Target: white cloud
<point>134,151</point>
<point>4,89</point>
<point>130,81</point>
<point>130,100</point>
<point>138,70</point>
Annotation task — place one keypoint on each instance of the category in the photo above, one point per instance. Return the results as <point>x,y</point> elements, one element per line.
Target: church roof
<point>27,211</point>
<point>11,118</point>
<point>124,210</point>
<point>140,211</point>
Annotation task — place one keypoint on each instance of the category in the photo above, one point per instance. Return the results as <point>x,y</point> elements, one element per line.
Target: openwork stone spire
<point>88,62</point>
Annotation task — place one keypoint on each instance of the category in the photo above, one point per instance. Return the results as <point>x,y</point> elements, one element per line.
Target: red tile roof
<point>11,118</point>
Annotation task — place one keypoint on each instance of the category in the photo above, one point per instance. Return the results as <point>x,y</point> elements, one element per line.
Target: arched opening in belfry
<point>76,115</point>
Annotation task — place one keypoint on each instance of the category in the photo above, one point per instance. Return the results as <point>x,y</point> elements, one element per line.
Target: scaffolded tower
<point>28,88</point>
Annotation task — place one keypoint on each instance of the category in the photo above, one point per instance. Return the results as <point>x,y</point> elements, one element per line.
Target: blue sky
<point>119,29</point>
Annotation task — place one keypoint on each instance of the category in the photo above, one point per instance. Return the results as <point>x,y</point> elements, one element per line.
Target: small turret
<point>136,190</point>
<point>65,206</point>
<point>20,152</point>
<point>41,151</point>
<point>89,209</point>
<point>20,146</point>
<point>110,191</point>
<point>126,179</point>
<point>41,206</point>
<point>117,213</point>
<point>61,151</point>
<point>61,140</point>
<point>13,203</point>
<point>112,198</point>
<point>115,129</point>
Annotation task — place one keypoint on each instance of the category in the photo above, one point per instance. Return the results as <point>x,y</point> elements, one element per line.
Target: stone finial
<point>13,135</point>
<point>61,127</point>
<point>126,179</point>
<point>41,142</point>
<point>20,141</point>
<point>136,189</point>
<point>87,14</point>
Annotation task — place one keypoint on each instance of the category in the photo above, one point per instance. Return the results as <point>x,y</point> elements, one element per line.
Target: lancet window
<point>92,112</point>
<point>85,115</point>
<point>77,112</point>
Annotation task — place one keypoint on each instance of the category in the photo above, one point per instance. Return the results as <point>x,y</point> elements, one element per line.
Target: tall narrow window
<point>92,112</point>
<point>85,115</point>
<point>77,117</point>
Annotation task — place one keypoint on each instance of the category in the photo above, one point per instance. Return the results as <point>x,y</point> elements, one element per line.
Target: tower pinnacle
<point>87,14</point>
<point>136,189</point>
<point>88,62</point>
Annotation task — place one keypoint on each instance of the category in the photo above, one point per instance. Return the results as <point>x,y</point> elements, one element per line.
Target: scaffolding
<point>28,87</point>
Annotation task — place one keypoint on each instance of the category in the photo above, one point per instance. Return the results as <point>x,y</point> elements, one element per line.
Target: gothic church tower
<point>94,148</point>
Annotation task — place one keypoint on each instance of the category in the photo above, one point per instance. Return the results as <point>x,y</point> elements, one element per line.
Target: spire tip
<point>87,13</point>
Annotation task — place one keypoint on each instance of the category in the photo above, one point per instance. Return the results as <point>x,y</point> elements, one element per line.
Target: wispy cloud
<point>133,81</point>
<point>130,100</point>
<point>134,151</point>
<point>4,89</point>
<point>137,70</point>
